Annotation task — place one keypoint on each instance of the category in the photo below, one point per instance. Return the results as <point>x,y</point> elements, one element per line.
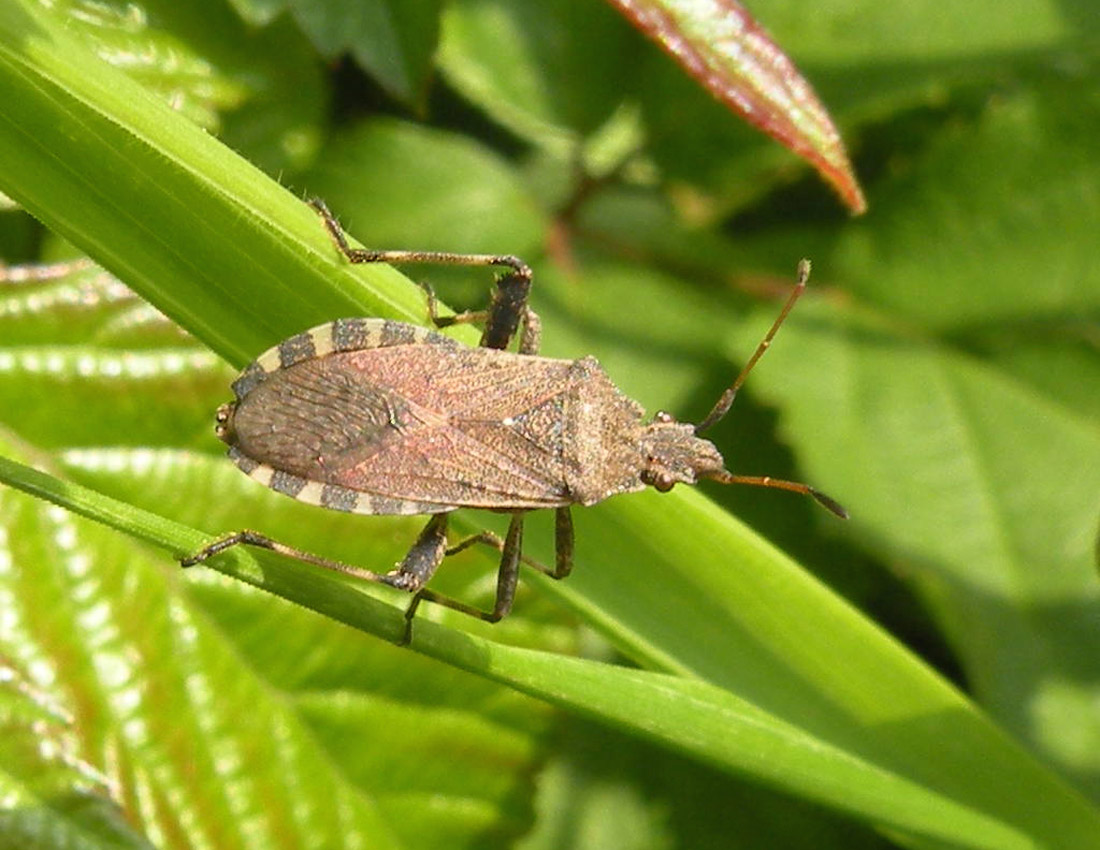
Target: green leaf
<point>700,719</point>
<point>385,173</point>
<point>393,40</point>
<point>154,681</point>
<point>861,32</point>
<point>1029,158</point>
<point>868,65</point>
<point>756,669</point>
<point>732,56</point>
<point>551,72</point>
<point>259,90</point>
<point>52,797</point>
<point>998,487</point>
<point>189,275</point>
<point>600,791</point>
<point>165,64</point>
<point>954,407</point>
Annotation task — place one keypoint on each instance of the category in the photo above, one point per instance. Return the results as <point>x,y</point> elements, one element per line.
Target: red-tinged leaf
<point>720,45</point>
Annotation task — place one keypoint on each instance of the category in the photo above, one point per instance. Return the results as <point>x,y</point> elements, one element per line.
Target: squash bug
<point>375,416</point>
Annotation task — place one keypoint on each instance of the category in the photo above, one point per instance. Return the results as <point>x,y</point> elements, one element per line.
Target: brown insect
<point>375,416</point>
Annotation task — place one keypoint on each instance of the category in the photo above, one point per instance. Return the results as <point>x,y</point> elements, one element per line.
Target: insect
<point>375,416</point>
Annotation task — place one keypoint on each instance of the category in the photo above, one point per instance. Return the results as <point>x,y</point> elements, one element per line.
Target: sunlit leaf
<point>949,409</point>
<point>729,53</point>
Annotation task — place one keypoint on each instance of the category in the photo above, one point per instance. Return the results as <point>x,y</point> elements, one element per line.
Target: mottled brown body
<point>431,425</point>
<point>381,417</point>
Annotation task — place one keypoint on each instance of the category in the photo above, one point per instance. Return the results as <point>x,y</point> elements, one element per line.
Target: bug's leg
<point>454,319</point>
<point>260,541</point>
<point>490,539</point>
<point>431,548</point>
<point>486,537</point>
<point>530,326</point>
<point>418,566</point>
<point>530,334</point>
<point>507,576</point>
<point>563,543</point>
<point>508,308</point>
<point>415,569</point>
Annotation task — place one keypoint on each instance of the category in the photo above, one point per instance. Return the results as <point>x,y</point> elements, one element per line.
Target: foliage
<point>690,684</point>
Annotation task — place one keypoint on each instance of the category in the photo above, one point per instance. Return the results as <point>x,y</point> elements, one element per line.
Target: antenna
<point>722,406</point>
<point>724,477</point>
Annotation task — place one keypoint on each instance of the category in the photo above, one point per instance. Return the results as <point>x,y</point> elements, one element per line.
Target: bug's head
<point>672,454</point>
<point>223,427</point>
<point>675,453</point>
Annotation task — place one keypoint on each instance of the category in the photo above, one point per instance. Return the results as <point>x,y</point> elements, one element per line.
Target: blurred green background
<point>941,380</point>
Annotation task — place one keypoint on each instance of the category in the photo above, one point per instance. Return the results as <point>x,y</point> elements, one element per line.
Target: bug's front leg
<point>529,324</point>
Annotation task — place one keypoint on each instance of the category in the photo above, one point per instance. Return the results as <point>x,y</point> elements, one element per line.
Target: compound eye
<point>663,417</point>
<point>663,482</point>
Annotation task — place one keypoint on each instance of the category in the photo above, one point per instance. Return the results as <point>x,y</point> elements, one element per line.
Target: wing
<point>477,428</point>
<point>412,429</point>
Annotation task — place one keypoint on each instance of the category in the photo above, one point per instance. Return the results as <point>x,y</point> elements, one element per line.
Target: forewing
<point>470,427</point>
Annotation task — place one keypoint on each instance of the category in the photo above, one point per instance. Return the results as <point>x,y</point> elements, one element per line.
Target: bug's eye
<point>658,479</point>
<point>663,417</point>
<point>663,482</point>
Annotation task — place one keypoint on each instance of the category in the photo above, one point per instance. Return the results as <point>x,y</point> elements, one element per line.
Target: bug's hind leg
<point>529,325</point>
<point>423,559</point>
<point>414,571</point>
<point>508,312</point>
<point>246,537</point>
<point>563,539</point>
